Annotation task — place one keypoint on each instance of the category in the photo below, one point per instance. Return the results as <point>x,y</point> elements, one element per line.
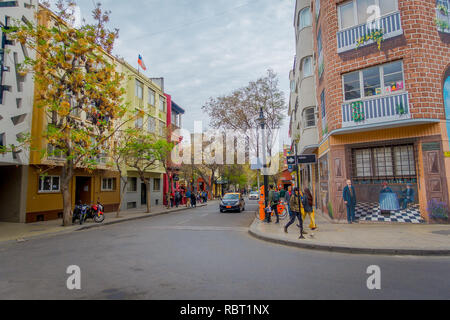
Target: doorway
<point>83,190</point>
<point>143,194</point>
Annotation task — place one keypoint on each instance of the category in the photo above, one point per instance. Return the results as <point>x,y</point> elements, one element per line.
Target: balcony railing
<point>443,15</point>
<point>348,39</point>
<point>376,110</point>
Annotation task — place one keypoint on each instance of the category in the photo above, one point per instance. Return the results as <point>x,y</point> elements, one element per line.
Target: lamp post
<point>298,188</point>
<point>262,122</point>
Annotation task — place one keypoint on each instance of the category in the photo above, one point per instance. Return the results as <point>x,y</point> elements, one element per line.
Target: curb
<point>349,250</point>
<point>149,215</point>
<point>87,227</point>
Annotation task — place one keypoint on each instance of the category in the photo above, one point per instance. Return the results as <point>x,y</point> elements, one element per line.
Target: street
<point>202,254</point>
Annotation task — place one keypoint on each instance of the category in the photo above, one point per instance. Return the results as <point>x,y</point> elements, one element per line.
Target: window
<point>372,82</point>
<point>151,124</point>
<point>161,128</point>
<point>379,80</point>
<point>162,103</point>
<point>2,140</point>
<point>108,184</point>
<point>49,184</point>
<point>356,11</point>
<point>151,97</point>
<point>393,163</point>
<point>317,8</point>
<point>139,123</point>
<point>307,67</point>
<point>304,18</point>
<point>309,117</point>
<point>54,153</point>
<point>139,90</point>
<point>322,104</point>
<point>293,85</point>
<point>156,184</point>
<point>132,185</point>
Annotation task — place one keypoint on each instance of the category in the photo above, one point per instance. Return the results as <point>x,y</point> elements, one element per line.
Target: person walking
<point>188,198</point>
<point>274,200</point>
<point>177,198</point>
<point>294,204</point>
<point>193,200</point>
<point>307,201</point>
<point>349,196</point>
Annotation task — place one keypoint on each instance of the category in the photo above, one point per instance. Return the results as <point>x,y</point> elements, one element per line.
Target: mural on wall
<point>447,100</point>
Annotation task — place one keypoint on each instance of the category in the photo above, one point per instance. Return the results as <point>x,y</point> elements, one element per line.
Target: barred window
<point>393,163</point>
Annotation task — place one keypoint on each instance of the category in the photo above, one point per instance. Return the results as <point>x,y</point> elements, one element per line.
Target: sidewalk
<point>23,232</point>
<point>363,238</point>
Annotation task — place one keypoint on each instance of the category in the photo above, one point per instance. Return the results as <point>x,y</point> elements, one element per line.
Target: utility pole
<point>262,121</point>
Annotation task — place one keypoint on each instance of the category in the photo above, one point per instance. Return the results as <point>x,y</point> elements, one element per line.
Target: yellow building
<point>146,95</point>
<point>44,198</point>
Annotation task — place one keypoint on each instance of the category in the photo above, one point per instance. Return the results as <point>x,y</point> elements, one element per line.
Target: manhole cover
<point>443,232</point>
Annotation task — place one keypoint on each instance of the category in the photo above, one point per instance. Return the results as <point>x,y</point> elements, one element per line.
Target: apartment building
<point>147,95</point>
<point>382,90</point>
<point>173,123</point>
<point>303,109</point>
<point>16,106</point>
<point>43,192</point>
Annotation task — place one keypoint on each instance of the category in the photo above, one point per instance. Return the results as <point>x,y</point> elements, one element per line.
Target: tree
<point>73,72</point>
<point>240,110</point>
<point>144,152</point>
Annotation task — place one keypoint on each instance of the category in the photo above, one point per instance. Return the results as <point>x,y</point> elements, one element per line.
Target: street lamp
<point>262,122</point>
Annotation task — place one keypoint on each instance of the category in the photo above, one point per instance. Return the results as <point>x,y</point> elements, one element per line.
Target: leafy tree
<point>73,72</point>
<point>143,151</point>
<point>240,110</point>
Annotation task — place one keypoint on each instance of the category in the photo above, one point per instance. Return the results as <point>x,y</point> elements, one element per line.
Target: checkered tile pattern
<point>371,212</point>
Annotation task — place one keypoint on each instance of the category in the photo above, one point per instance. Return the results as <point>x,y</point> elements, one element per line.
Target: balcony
<point>443,16</point>
<point>348,39</point>
<point>376,110</point>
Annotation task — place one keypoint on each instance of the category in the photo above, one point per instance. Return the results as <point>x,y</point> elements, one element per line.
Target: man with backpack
<point>274,201</point>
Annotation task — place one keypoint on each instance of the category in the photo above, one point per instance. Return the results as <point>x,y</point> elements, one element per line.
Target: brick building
<point>382,111</point>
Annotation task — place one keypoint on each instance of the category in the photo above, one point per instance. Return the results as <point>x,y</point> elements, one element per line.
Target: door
<point>83,190</point>
<point>143,194</point>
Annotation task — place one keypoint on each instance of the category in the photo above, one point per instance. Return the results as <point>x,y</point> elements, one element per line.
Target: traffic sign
<point>303,159</point>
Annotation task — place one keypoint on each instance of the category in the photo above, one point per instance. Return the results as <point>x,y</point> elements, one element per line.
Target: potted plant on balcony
<point>375,35</point>
<point>358,111</point>
<point>400,109</point>
<point>442,9</point>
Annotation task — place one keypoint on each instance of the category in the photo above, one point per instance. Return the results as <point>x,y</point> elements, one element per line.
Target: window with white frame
<point>374,81</point>
<point>309,117</point>
<point>293,86</point>
<point>317,8</point>
<point>162,104</point>
<point>357,12</point>
<point>307,67</point>
<point>151,124</point>
<point>139,123</point>
<point>139,90</point>
<point>161,128</point>
<point>304,18</point>
<point>49,184</point>
<point>108,184</point>
<point>151,97</point>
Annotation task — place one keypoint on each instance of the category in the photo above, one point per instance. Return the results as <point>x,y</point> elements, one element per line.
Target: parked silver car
<point>254,195</point>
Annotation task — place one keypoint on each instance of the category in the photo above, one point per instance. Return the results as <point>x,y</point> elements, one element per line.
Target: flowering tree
<point>74,74</point>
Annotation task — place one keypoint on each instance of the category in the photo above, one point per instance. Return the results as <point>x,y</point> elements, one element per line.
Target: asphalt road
<point>201,254</point>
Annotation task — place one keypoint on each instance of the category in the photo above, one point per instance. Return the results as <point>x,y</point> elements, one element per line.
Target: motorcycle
<point>83,212</point>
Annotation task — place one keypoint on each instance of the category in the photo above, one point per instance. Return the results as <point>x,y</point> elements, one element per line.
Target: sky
<point>205,48</point>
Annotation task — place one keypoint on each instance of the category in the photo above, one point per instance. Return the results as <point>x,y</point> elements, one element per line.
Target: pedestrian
<point>295,206</point>
<point>349,196</point>
<point>193,199</point>
<point>308,203</point>
<point>274,200</point>
<point>188,198</point>
<point>283,194</point>
<point>287,198</point>
<point>172,199</point>
<point>177,198</point>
